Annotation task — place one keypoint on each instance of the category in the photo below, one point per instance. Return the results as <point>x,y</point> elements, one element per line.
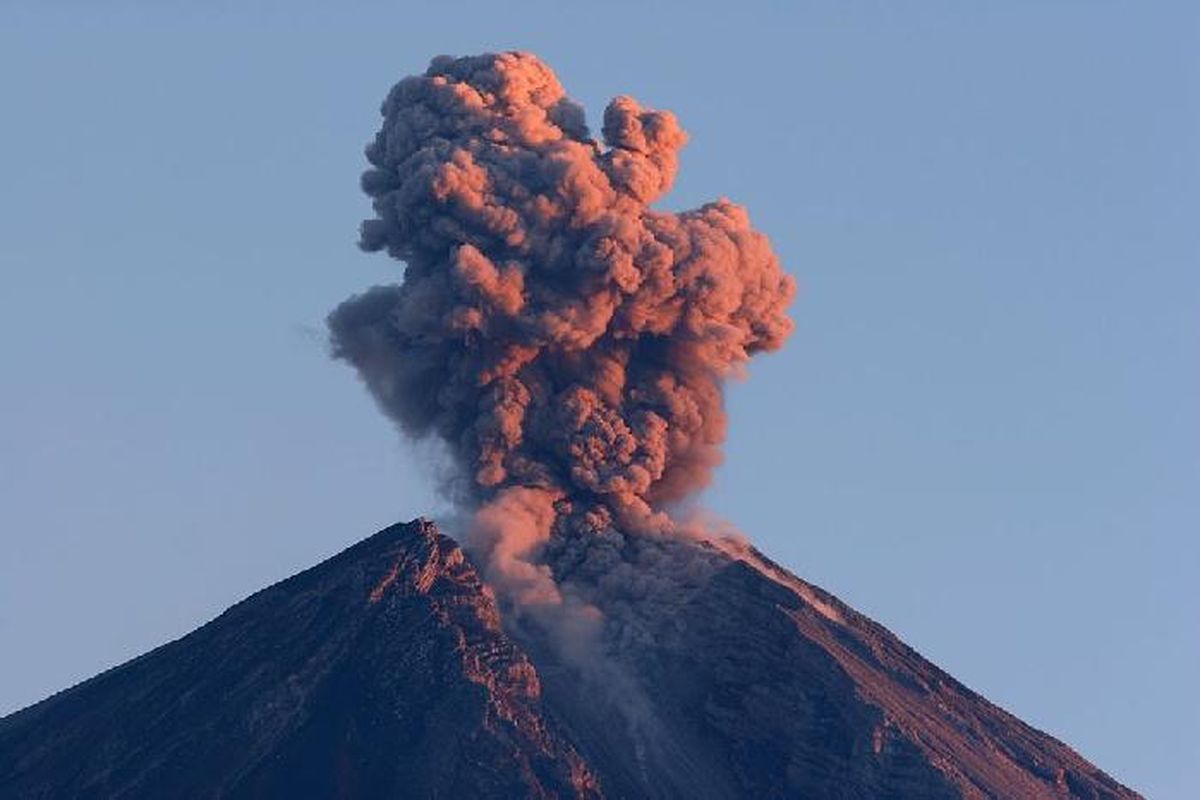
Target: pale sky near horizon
<point>984,432</point>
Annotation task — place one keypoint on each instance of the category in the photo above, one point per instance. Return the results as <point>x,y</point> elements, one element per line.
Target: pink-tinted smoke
<point>566,341</point>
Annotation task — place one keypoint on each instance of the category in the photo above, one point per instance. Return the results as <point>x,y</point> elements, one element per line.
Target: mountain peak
<point>381,672</point>
<point>385,671</point>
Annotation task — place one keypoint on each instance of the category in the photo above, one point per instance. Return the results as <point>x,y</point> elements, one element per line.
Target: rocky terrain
<point>385,672</point>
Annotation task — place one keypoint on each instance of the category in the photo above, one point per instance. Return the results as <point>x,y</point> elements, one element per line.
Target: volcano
<point>385,672</point>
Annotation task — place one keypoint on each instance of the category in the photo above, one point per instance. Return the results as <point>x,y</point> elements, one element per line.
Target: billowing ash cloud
<point>566,341</point>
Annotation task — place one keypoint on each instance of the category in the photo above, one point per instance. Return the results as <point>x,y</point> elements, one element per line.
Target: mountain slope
<point>381,672</point>
<point>384,672</point>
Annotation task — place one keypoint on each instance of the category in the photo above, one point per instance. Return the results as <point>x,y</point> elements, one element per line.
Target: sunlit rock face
<point>386,671</point>
<point>382,672</point>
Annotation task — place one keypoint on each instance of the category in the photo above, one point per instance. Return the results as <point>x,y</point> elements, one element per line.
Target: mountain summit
<point>385,672</point>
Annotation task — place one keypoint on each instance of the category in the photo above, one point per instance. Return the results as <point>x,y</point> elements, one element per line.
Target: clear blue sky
<point>985,432</point>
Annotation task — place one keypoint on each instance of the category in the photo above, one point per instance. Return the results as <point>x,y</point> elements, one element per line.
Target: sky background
<point>984,432</point>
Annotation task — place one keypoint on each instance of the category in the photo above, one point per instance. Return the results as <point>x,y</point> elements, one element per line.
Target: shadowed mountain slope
<point>384,672</point>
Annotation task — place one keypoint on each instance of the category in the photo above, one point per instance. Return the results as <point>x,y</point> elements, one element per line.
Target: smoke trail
<point>567,342</point>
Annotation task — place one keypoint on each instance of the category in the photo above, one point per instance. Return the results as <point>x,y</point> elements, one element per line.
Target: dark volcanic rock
<point>380,673</point>
<point>384,672</point>
<point>798,695</point>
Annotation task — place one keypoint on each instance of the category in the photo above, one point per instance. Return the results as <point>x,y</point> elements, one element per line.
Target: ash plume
<point>566,341</point>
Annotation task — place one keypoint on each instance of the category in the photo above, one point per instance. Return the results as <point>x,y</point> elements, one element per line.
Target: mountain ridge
<point>385,671</point>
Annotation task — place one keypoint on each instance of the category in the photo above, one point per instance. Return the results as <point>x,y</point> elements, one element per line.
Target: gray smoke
<point>563,339</point>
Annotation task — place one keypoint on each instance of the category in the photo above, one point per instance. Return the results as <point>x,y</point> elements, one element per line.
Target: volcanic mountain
<point>386,672</point>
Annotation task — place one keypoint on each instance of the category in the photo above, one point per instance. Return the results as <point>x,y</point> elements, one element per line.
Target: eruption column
<point>566,341</point>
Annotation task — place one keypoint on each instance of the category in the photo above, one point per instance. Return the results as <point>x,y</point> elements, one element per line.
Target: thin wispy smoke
<point>566,341</point>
